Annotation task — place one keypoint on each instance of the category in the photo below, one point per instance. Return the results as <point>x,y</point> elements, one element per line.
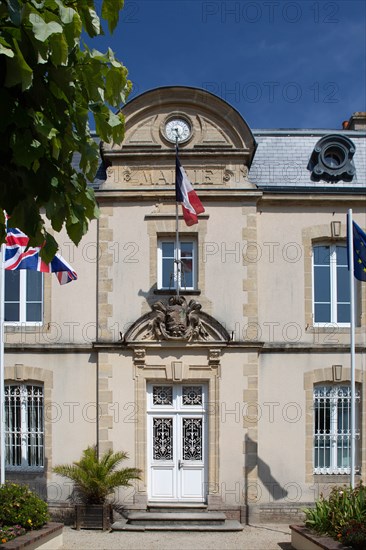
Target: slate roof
<point>281,159</point>
<point>282,156</point>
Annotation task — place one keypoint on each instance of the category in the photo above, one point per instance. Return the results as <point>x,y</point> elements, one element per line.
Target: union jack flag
<point>18,256</point>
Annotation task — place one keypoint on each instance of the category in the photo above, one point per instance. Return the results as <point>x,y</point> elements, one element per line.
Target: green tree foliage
<point>96,478</point>
<point>49,83</point>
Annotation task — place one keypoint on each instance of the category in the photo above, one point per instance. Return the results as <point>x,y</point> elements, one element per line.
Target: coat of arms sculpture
<point>176,320</point>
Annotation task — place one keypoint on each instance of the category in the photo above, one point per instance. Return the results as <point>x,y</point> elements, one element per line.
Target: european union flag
<point>359,253</point>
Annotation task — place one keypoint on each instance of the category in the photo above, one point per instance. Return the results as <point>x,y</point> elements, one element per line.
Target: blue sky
<point>281,64</point>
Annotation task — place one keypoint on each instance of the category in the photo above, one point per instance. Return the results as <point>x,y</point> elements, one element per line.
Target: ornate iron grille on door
<point>163,438</point>
<point>192,438</point>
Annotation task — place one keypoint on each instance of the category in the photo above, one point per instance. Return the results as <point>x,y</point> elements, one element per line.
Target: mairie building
<point>224,376</point>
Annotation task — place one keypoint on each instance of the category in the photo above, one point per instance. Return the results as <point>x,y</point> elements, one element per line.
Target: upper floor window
<point>171,272</point>
<point>332,429</point>
<point>23,297</point>
<point>24,426</point>
<point>331,290</point>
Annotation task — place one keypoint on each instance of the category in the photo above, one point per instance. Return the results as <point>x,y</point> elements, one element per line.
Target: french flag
<point>19,256</point>
<point>186,195</point>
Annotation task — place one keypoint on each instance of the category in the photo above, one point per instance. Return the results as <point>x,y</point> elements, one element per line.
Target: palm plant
<point>96,478</point>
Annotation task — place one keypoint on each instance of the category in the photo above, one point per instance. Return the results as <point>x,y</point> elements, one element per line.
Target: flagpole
<point>177,226</point>
<point>352,330</point>
<point>2,370</point>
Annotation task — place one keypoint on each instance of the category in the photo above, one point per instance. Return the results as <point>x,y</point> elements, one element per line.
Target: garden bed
<point>303,538</point>
<point>49,536</point>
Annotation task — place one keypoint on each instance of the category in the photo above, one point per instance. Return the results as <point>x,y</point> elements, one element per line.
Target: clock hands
<point>177,130</point>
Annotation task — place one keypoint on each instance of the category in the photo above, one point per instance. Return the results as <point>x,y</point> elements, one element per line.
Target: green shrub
<point>10,533</point>
<point>332,515</point>
<point>353,534</point>
<point>19,506</point>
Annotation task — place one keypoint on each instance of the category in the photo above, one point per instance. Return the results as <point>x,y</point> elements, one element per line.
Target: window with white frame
<point>332,429</point>
<point>24,426</point>
<point>23,297</point>
<point>331,289</point>
<point>172,272</point>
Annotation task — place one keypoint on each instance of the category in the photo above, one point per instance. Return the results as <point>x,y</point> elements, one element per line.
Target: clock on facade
<point>177,129</point>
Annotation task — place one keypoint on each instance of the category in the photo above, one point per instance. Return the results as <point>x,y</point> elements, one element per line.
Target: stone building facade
<point>236,393</point>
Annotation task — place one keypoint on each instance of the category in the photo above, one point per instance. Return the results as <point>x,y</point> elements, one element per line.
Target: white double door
<point>177,441</point>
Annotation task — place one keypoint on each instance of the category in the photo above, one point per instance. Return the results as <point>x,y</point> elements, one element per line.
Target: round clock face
<point>177,128</point>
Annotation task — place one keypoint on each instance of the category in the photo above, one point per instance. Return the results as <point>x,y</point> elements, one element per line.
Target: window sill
<point>173,292</point>
<point>24,469</point>
<point>334,478</point>
<point>17,327</point>
<point>330,329</point>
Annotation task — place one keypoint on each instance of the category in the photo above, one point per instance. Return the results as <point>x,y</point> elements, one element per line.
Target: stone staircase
<point>176,518</point>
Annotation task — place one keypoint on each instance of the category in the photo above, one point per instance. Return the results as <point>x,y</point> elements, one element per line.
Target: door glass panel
<point>162,395</point>
<point>192,438</point>
<point>192,395</point>
<point>162,438</point>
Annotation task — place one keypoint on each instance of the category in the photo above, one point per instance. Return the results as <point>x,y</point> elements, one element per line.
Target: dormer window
<point>331,159</point>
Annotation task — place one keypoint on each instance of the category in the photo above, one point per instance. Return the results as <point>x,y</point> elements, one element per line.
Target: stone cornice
<point>262,347</point>
<point>335,196</point>
<point>148,194</point>
<point>130,346</point>
<point>279,347</point>
<point>49,348</point>
<point>145,153</point>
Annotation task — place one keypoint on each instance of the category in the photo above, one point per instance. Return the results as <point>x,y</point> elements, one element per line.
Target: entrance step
<point>176,508</point>
<point>183,519</point>
<point>150,519</point>
<point>229,525</point>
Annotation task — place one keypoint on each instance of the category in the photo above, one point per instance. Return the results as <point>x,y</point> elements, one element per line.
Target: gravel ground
<point>253,537</point>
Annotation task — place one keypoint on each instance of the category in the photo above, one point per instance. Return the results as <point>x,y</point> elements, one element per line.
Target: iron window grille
<point>332,429</point>
<point>24,426</point>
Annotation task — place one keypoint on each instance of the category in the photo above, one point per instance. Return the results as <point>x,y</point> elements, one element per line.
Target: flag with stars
<point>359,253</point>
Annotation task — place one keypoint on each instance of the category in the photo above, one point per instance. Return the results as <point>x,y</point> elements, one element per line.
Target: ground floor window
<point>24,426</point>
<point>332,429</point>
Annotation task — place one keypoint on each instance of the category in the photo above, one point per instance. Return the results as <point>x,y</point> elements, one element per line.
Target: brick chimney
<point>356,122</point>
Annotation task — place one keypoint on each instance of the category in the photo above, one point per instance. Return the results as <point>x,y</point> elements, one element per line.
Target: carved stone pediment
<point>218,151</point>
<point>177,320</point>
